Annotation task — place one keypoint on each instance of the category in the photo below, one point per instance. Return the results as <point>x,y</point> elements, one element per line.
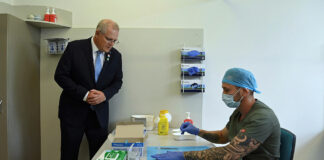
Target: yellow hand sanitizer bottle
<point>163,125</point>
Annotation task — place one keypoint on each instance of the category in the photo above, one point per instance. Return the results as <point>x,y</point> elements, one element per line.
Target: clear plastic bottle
<point>163,125</point>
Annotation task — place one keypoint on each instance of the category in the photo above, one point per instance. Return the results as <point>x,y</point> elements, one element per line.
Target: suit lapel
<point>89,57</point>
<point>107,61</point>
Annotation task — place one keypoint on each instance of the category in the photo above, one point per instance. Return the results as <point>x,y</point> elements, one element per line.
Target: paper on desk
<point>178,136</point>
<point>183,137</point>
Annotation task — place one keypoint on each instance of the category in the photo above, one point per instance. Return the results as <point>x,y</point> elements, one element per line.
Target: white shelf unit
<point>45,24</point>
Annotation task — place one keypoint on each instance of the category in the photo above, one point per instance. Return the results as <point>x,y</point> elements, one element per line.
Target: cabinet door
<point>3,88</point>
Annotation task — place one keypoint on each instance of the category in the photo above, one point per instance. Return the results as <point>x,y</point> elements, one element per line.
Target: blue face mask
<point>229,100</point>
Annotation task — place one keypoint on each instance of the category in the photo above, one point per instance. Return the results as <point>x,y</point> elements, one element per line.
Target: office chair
<point>287,145</point>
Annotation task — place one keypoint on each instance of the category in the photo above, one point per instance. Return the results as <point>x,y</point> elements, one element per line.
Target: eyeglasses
<point>115,41</point>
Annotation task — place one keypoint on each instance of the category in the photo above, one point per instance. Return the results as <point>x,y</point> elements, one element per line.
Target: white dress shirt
<point>94,55</point>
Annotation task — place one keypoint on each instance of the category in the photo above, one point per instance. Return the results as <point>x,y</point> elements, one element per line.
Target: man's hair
<point>105,23</point>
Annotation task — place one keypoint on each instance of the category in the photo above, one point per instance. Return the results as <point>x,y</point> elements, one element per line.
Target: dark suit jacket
<point>75,75</point>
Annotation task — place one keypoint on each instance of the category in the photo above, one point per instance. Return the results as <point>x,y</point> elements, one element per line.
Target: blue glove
<point>193,53</point>
<point>194,85</point>
<point>193,70</point>
<point>169,156</point>
<point>188,127</point>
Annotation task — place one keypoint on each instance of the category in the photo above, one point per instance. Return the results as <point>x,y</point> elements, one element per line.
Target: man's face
<point>231,89</point>
<point>106,41</point>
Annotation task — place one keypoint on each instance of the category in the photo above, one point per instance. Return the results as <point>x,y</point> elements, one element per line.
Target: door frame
<point>3,88</point>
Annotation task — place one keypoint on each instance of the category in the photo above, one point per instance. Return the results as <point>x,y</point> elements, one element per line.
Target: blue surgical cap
<point>241,78</point>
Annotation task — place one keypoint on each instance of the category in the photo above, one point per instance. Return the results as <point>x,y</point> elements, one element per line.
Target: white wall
<point>281,42</point>
<point>7,1</point>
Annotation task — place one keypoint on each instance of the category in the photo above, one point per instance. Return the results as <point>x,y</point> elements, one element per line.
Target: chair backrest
<point>287,145</point>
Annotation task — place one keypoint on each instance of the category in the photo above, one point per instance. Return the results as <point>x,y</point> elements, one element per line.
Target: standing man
<point>253,129</point>
<point>90,73</point>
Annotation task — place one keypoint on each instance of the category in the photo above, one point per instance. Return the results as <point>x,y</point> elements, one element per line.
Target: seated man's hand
<point>169,156</point>
<point>188,127</point>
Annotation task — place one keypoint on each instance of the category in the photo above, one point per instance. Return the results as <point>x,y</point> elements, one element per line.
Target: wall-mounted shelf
<point>45,24</point>
<point>64,17</point>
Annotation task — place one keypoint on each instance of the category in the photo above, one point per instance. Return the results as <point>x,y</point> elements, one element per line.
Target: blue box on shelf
<point>192,86</point>
<point>192,70</point>
<point>191,53</point>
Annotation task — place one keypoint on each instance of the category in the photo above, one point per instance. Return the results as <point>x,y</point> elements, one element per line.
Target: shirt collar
<point>94,47</point>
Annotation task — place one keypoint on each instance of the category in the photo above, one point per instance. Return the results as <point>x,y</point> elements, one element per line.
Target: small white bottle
<point>188,119</point>
<point>47,15</point>
<point>53,16</point>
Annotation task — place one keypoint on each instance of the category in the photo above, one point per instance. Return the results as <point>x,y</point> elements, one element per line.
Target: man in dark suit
<point>90,73</point>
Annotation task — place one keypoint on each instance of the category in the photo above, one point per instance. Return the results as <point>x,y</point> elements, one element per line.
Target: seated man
<point>253,129</point>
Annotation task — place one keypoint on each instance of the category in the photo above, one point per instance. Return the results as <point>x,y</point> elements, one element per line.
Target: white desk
<point>153,139</point>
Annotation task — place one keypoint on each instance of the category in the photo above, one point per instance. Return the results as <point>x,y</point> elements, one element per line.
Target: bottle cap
<point>163,111</point>
<point>188,115</point>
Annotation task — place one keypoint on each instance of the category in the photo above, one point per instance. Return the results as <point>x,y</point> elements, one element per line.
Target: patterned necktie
<point>98,65</point>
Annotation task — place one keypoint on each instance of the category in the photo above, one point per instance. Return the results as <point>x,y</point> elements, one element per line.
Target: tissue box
<point>192,53</point>
<point>193,69</point>
<point>57,45</point>
<point>192,86</point>
<point>128,133</point>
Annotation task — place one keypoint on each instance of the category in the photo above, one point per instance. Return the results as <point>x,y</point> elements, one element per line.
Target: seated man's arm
<point>220,136</point>
<point>240,146</point>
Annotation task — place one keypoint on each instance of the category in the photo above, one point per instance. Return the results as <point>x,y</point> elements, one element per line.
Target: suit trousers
<point>71,137</point>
